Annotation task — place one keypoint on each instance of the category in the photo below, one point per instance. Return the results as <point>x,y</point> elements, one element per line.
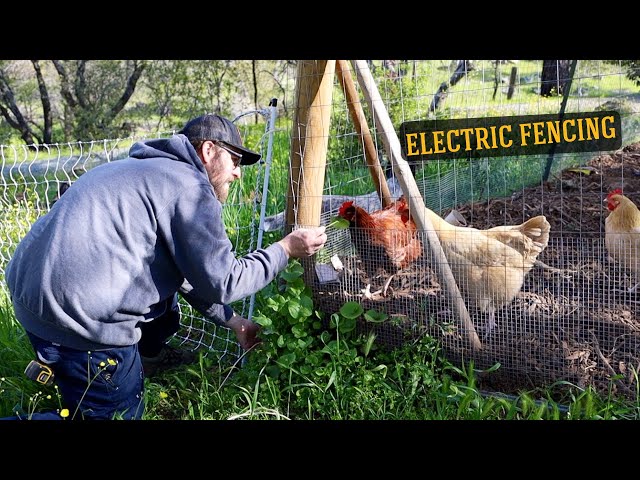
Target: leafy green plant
<point>288,322</point>
<point>318,367</point>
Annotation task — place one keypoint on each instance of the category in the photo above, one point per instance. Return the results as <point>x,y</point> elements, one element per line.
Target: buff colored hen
<point>490,265</point>
<point>622,233</point>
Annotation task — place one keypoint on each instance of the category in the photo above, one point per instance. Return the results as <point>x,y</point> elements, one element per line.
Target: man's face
<point>223,168</point>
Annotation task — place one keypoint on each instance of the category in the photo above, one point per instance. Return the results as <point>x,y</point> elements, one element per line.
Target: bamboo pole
<point>309,142</point>
<point>343,70</point>
<point>413,195</point>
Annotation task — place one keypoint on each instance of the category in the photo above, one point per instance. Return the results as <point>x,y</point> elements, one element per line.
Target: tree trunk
<point>554,77</point>
<point>47,114</point>
<point>463,67</point>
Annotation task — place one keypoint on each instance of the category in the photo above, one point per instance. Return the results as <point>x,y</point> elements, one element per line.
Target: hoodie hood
<point>176,147</point>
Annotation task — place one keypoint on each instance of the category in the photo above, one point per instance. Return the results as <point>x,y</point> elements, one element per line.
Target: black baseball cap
<point>216,128</point>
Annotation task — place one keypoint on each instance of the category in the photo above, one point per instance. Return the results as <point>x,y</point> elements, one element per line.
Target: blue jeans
<point>94,385</point>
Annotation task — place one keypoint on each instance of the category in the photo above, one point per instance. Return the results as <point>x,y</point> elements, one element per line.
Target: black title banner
<point>509,136</point>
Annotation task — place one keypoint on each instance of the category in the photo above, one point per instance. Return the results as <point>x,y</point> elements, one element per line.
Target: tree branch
<point>138,68</point>
<point>65,86</point>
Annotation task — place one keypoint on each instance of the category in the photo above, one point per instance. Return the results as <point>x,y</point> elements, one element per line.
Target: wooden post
<point>414,197</point>
<point>309,141</point>
<point>343,69</point>
<point>512,82</point>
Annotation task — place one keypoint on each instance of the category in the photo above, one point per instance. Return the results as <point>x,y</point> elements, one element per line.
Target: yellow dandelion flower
<point>163,395</point>
<point>102,364</point>
<point>112,362</point>
<point>64,413</point>
<point>48,397</point>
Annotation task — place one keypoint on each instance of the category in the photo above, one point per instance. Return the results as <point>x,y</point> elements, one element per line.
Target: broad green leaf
<point>347,325</point>
<point>375,316</point>
<point>263,321</point>
<point>351,310</point>
<point>287,359</point>
<point>338,223</point>
<point>299,331</point>
<point>292,272</point>
<point>294,310</point>
<point>306,302</point>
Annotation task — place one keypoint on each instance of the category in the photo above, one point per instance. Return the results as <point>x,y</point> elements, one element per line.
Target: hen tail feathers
<point>537,229</point>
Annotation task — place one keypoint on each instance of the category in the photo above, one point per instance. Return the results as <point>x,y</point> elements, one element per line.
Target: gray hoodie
<point>121,241</point>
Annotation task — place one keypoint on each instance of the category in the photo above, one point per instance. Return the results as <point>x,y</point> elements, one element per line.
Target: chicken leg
<point>491,322</point>
<point>382,291</point>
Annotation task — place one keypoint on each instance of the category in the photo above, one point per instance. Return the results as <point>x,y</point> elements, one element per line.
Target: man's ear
<point>206,152</point>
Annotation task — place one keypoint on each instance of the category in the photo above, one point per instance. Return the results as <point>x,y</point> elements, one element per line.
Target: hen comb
<point>344,206</point>
<point>617,191</point>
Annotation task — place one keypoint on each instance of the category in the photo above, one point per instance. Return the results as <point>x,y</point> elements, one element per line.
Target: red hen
<point>385,239</point>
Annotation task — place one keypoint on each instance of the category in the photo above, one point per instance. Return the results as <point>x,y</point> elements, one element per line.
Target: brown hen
<point>385,239</point>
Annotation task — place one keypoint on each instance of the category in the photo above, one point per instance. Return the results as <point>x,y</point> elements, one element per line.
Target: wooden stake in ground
<point>343,70</point>
<point>309,142</point>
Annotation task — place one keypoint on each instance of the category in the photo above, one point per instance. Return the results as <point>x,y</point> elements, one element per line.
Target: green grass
<point>15,353</point>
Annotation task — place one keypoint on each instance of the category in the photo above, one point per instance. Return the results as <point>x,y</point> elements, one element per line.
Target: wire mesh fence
<point>571,319</point>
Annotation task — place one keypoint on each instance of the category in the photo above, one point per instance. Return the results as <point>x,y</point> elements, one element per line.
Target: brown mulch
<point>574,326</point>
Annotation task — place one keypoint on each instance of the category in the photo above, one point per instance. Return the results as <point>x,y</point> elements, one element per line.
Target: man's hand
<point>245,331</point>
<point>304,242</point>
